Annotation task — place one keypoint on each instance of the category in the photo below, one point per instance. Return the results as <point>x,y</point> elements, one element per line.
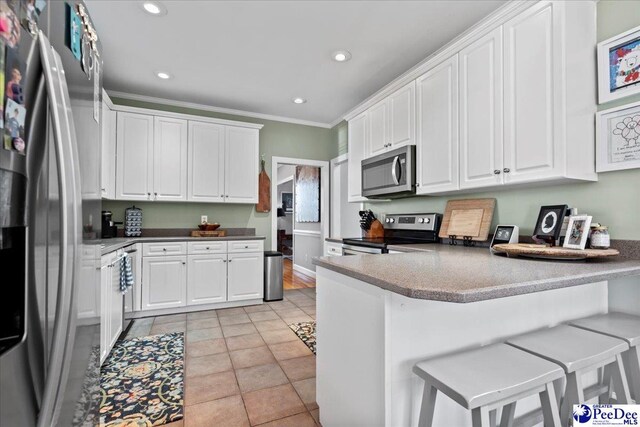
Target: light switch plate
<point>203,219</point>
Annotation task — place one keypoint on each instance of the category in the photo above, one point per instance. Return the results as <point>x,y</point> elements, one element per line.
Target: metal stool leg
<point>508,413</point>
<point>428,405</point>
<point>550,407</point>
<point>620,381</point>
<point>480,417</point>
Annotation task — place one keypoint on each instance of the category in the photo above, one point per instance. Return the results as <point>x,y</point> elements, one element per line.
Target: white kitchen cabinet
<point>111,303</point>
<point>378,122</point>
<point>245,276</point>
<point>532,108</point>
<point>108,145</point>
<point>481,112</point>
<point>164,282</point>
<point>206,169</point>
<point>134,142</point>
<point>392,122</point>
<point>207,279</point>
<point>241,165</point>
<point>357,142</point>
<point>437,128</point>
<point>169,159</point>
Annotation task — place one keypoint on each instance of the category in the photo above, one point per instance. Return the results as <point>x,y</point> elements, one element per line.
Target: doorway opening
<point>300,219</point>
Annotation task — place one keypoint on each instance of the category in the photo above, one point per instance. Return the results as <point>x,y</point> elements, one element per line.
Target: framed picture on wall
<point>287,201</point>
<point>618,138</point>
<point>619,66</point>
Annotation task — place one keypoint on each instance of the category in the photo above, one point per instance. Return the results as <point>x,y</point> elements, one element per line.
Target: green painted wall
<point>276,139</point>
<point>614,200</point>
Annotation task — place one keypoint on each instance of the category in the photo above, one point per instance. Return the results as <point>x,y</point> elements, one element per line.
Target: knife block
<point>376,230</point>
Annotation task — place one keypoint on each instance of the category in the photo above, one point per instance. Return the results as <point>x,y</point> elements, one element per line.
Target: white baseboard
<point>304,271</point>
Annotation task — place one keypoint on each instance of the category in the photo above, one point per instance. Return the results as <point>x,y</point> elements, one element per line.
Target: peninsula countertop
<point>116,243</point>
<point>467,274</point>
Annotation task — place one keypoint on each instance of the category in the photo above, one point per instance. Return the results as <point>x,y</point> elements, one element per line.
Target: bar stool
<point>485,379</point>
<point>579,351</point>
<point>626,327</point>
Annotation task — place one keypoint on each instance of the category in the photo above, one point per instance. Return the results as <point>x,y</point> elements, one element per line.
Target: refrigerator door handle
<point>70,225</point>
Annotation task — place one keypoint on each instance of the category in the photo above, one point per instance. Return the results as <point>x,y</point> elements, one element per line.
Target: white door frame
<point>324,194</point>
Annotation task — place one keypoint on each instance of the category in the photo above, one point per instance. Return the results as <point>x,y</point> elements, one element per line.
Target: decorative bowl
<point>209,227</point>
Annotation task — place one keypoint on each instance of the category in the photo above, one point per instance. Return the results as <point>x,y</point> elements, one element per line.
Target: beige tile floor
<point>244,366</point>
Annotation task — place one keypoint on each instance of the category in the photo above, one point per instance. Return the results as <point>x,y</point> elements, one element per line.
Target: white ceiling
<point>256,56</point>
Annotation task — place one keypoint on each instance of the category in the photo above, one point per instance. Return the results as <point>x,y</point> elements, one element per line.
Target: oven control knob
<point>427,220</point>
<point>388,220</point>
<point>420,220</point>
<point>392,220</point>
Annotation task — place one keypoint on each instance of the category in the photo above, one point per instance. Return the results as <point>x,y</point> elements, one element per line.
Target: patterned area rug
<point>142,382</point>
<point>306,331</point>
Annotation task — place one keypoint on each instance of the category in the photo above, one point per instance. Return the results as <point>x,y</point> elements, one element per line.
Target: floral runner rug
<point>306,331</point>
<point>142,382</point>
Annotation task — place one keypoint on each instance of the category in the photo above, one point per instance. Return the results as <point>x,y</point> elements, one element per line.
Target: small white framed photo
<point>577,232</point>
<point>618,138</point>
<point>619,66</point>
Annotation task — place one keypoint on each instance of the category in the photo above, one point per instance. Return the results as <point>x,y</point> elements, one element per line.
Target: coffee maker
<point>109,228</point>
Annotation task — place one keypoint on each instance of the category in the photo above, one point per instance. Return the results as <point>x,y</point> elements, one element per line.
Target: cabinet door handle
<point>155,196</point>
<point>207,248</point>
<point>246,247</point>
<point>230,260</point>
<point>184,263</point>
<point>506,170</point>
<point>224,260</point>
<point>497,171</point>
<point>148,195</point>
<point>164,249</point>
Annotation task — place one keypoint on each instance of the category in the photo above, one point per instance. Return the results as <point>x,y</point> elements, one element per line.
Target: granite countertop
<point>460,274</point>
<point>120,242</point>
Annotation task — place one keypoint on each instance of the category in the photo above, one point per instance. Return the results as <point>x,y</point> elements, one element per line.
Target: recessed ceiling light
<point>162,75</point>
<point>154,8</point>
<point>299,100</point>
<point>341,56</point>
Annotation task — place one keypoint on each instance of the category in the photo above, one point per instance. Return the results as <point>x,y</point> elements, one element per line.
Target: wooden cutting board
<point>556,252</point>
<point>212,233</point>
<point>264,191</point>
<point>468,217</point>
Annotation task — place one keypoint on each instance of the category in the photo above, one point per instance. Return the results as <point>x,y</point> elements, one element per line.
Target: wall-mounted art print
<point>287,201</point>
<point>307,182</point>
<point>619,66</point>
<point>618,138</point>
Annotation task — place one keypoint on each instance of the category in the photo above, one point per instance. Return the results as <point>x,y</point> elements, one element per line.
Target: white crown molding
<point>203,107</point>
<point>489,23</point>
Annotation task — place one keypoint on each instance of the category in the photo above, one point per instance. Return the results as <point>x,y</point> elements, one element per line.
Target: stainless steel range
<point>399,229</point>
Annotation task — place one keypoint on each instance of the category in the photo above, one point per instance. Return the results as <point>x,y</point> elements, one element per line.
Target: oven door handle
<point>394,167</point>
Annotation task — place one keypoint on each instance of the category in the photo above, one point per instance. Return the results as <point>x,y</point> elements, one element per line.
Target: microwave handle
<point>394,167</point>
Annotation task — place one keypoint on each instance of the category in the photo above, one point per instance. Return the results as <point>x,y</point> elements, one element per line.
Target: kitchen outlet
<point>203,219</point>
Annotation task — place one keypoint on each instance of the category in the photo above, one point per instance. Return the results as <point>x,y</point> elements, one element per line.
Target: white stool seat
<point>619,325</point>
<point>488,374</point>
<point>572,348</point>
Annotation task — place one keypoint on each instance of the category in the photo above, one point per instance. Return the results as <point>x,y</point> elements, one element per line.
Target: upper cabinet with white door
<point>481,112</point>
<point>391,122</point>
<point>437,148</point>
<point>357,141</point>
<point>175,157</point>
<point>134,151</point>
<point>170,159</point>
<point>241,165</point>
<point>206,162</point>
<point>510,101</point>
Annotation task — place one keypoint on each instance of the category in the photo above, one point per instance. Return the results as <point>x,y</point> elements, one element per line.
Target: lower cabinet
<point>207,279</point>
<point>111,303</point>
<point>164,281</point>
<point>245,276</point>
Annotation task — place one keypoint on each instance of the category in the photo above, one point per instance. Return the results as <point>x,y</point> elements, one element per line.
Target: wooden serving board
<point>212,233</point>
<point>556,252</point>
<point>468,217</point>
<point>264,191</point>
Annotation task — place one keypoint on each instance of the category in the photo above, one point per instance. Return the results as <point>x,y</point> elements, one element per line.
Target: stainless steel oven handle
<point>394,167</point>
<point>359,250</point>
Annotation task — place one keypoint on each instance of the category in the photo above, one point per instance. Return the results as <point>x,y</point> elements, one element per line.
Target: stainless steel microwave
<point>391,174</point>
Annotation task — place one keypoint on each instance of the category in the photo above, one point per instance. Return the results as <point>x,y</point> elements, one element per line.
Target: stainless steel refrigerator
<point>50,226</point>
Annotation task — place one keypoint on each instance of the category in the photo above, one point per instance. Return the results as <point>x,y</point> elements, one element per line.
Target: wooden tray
<point>213,233</point>
<point>556,252</point>
<point>468,217</point>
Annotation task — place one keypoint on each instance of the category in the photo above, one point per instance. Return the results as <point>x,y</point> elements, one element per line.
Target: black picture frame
<point>549,223</point>
<point>287,201</point>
